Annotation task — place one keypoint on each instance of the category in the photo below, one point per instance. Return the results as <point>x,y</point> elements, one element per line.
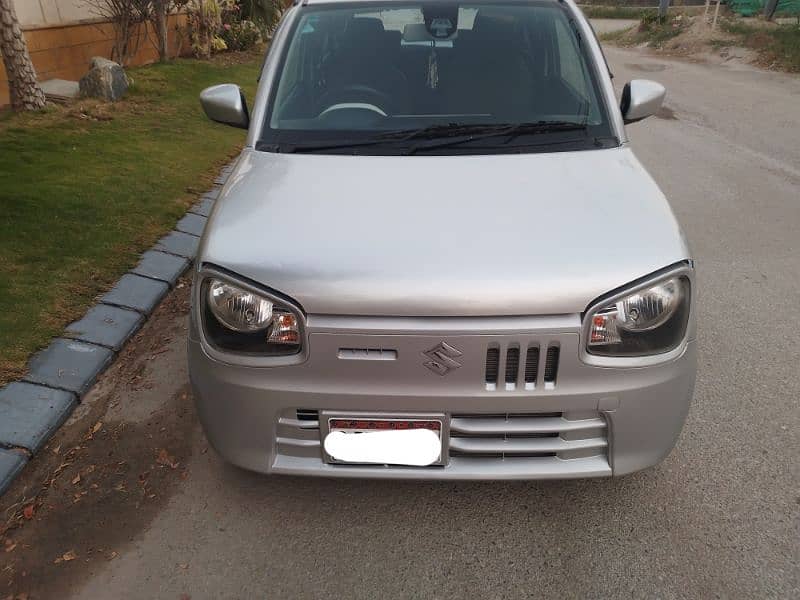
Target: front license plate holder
<point>368,421</point>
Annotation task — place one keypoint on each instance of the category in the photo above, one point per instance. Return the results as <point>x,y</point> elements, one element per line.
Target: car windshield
<point>435,77</point>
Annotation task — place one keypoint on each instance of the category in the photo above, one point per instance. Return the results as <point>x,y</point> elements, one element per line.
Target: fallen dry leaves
<point>164,458</point>
<point>28,511</point>
<point>66,557</point>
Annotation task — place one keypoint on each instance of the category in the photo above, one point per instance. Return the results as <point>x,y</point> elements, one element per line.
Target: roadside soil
<point>102,476</point>
<point>692,38</point>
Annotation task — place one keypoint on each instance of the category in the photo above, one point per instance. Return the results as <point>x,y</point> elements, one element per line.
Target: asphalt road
<point>719,518</point>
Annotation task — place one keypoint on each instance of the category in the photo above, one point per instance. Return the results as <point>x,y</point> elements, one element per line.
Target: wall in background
<point>63,36</point>
<point>51,12</point>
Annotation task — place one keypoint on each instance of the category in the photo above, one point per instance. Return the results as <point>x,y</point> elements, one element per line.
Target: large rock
<point>106,79</point>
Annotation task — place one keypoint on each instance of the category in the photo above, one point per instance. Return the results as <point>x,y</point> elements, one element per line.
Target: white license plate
<point>406,442</point>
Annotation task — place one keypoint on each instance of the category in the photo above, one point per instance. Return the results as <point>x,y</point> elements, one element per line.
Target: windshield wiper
<point>511,130</point>
<point>300,147</point>
<point>392,136</point>
<point>453,133</point>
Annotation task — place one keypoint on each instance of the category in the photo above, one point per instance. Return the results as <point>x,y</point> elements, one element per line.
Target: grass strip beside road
<point>776,45</point>
<point>779,45</point>
<point>84,189</point>
<point>593,11</point>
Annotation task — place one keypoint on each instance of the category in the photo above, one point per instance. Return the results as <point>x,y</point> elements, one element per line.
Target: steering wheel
<point>356,96</point>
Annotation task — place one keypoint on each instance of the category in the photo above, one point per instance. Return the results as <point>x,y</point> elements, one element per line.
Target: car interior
<point>355,72</point>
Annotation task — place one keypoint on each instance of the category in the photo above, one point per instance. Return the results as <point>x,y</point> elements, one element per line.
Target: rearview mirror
<point>641,98</point>
<point>225,103</point>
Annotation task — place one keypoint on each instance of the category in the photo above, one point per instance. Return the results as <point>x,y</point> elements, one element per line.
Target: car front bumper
<point>589,422</point>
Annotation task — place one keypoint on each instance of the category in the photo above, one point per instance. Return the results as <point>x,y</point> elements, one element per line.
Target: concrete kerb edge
<point>10,468</point>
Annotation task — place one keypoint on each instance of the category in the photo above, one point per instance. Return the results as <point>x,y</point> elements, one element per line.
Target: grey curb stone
<point>177,242</point>
<point>161,266</point>
<point>68,365</point>
<point>32,410</point>
<point>203,208</point>
<point>212,194</point>
<point>11,463</point>
<point>139,293</point>
<point>192,224</point>
<point>30,414</point>
<point>105,325</point>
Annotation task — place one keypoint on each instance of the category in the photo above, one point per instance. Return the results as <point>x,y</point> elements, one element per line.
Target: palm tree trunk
<point>24,91</point>
<point>161,29</point>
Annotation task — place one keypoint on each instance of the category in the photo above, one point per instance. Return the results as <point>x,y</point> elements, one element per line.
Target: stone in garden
<point>60,90</point>
<point>106,79</point>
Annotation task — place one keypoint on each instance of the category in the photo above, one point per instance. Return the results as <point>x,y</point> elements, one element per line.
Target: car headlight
<point>650,320</point>
<point>240,320</point>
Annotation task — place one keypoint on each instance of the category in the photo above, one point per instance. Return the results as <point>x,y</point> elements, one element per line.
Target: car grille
<point>518,374</point>
<point>503,436</point>
<point>558,435</point>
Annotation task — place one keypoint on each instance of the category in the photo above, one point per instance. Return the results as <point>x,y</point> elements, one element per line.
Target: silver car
<point>438,257</point>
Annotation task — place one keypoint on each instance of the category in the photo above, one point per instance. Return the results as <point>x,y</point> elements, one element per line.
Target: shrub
<point>264,13</point>
<point>657,29</point>
<point>240,35</point>
<point>238,31</point>
<point>204,18</point>
<point>125,16</point>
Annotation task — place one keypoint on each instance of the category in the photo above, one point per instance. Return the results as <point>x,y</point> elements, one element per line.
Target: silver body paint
<point>388,257</point>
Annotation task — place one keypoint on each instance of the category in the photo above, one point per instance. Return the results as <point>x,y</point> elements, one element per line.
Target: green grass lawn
<point>85,189</point>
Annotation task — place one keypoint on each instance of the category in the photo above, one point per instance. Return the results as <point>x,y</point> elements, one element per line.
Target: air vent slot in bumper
<point>551,366</point>
<point>512,367</point>
<point>544,435</point>
<point>532,376</point>
<point>492,366</point>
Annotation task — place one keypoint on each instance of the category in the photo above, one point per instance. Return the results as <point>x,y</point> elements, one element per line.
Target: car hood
<point>484,235</point>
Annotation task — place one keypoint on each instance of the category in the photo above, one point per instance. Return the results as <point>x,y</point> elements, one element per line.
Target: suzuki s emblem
<point>442,358</point>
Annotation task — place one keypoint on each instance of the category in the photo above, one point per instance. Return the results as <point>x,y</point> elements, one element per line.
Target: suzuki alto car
<point>438,257</point>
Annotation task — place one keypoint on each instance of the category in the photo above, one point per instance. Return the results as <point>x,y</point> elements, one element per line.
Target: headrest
<point>487,26</point>
<point>364,27</point>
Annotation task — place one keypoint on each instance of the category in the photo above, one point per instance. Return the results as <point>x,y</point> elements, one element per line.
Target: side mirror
<point>641,98</point>
<point>225,104</point>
